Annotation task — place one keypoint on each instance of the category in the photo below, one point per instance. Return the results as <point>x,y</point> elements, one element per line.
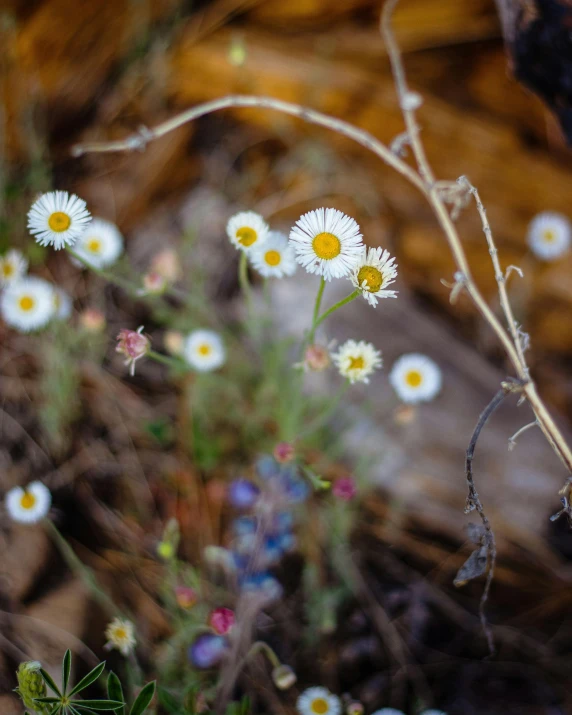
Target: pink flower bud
<point>154,282</point>
<point>133,345</point>
<point>354,707</point>
<point>317,358</point>
<point>166,263</point>
<point>221,620</point>
<point>344,488</point>
<point>284,452</point>
<point>173,342</point>
<point>92,320</point>
<point>186,596</point>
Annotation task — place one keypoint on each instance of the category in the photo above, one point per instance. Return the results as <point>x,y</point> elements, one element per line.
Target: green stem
<point>317,305</point>
<point>323,418</point>
<point>164,359</point>
<point>244,282</point>
<point>339,304</point>
<point>106,275</point>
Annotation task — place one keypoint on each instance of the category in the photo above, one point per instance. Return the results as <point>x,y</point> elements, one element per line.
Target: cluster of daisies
<point>320,701</point>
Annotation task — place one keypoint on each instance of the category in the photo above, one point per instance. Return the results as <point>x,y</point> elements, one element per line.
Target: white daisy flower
<point>58,219</point>
<point>415,378</point>
<point>275,258</point>
<point>246,230</point>
<point>13,266</point>
<point>318,701</point>
<point>101,244</point>
<point>27,304</point>
<point>549,235</point>
<point>327,242</point>
<point>30,504</point>
<point>204,350</point>
<point>62,304</point>
<point>373,273</point>
<point>357,361</point>
<point>120,634</point>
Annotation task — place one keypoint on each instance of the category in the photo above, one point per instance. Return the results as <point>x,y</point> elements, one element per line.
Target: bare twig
<point>516,435</point>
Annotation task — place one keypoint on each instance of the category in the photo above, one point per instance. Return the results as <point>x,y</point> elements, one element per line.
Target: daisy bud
<point>404,415</point>
<point>242,494</point>
<point>186,597</point>
<point>283,677</point>
<point>207,650</point>
<point>154,283</point>
<point>354,707</point>
<point>317,358</point>
<point>133,345</point>
<point>30,683</point>
<point>344,488</point>
<point>166,263</point>
<point>173,342</point>
<point>284,452</point>
<point>221,620</point>
<point>92,320</point>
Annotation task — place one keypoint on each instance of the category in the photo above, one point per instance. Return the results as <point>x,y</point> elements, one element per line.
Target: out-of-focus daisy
<point>101,244</point>
<point>275,258</point>
<point>357,361</point>
<point>58,218</point>
<point>120,634</point>
<point>373,273</point>
<point>13,266</point>
<point>174,342</point>
<point>27,304</point>
<point>318,701</point>
<point>549,235</point>
<point>92,320</point>
<point>415,378</point>
<point>30,504</point>
<point>204,350</point>
<point>62,304</point>
<point>327,242</point>
<point>246,230</point>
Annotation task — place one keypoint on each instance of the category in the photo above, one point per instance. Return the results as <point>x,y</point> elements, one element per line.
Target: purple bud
<point>242,493</point>
<point>207,650</point>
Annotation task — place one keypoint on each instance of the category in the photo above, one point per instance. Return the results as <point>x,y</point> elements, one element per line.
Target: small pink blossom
<point>317,358</point>
<point>92,320</point>
<point>154,282</point>
<point>284,452</point>
<point>167,264</point>
<point>186,596</point>
<point>133,345</point>
<point>221,620</point>
<point>344,488</point>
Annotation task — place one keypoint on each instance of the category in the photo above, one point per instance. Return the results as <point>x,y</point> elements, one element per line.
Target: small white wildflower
<point>327,242</point>
<point>204,350</point>
<point>275,258</point>
<point>100,245</point>
<point>415,378</point>
<point>28,505</point>
<point>246,230</point>
<point>62,304</point>
<point>27,304</point>
<point>58,218</point>
<point>374,272</point>
<point>357,361</point>
<point>549,235</point>
<point>318,701</point>
<point>13,266</point>
<point>120,634</point>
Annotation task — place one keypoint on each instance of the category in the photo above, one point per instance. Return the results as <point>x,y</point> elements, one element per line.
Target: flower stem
<point>106,275</point>
<point>317,305</point>
<point>164,359</point>
<point>339,304</point>
<point>244,282</point>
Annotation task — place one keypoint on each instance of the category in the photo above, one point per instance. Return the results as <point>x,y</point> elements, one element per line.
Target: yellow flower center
<point>26,303</point>
<point>549,235</point>
<point>7,269</point>
<point>319,706</point>
<point>273,258</point>
<point>204,349</point>
<point>27,501</point>
<point>59,222</point>
<point>327,246</point>
<point>372,276</point>
<point>246,236</point>
<point>93,245</point>
<point>356,363</point>
<point>120,634</point>
<point>414,378</point>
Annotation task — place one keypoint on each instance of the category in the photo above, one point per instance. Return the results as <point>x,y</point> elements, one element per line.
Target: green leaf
<point>47,701</point>
<point>114,690</point>
<point>143,699</point>
<point>90,678</point>
<point>56,710</point>
<point>99,704</point>
<point>66,670</point>
<point>50,682</point>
